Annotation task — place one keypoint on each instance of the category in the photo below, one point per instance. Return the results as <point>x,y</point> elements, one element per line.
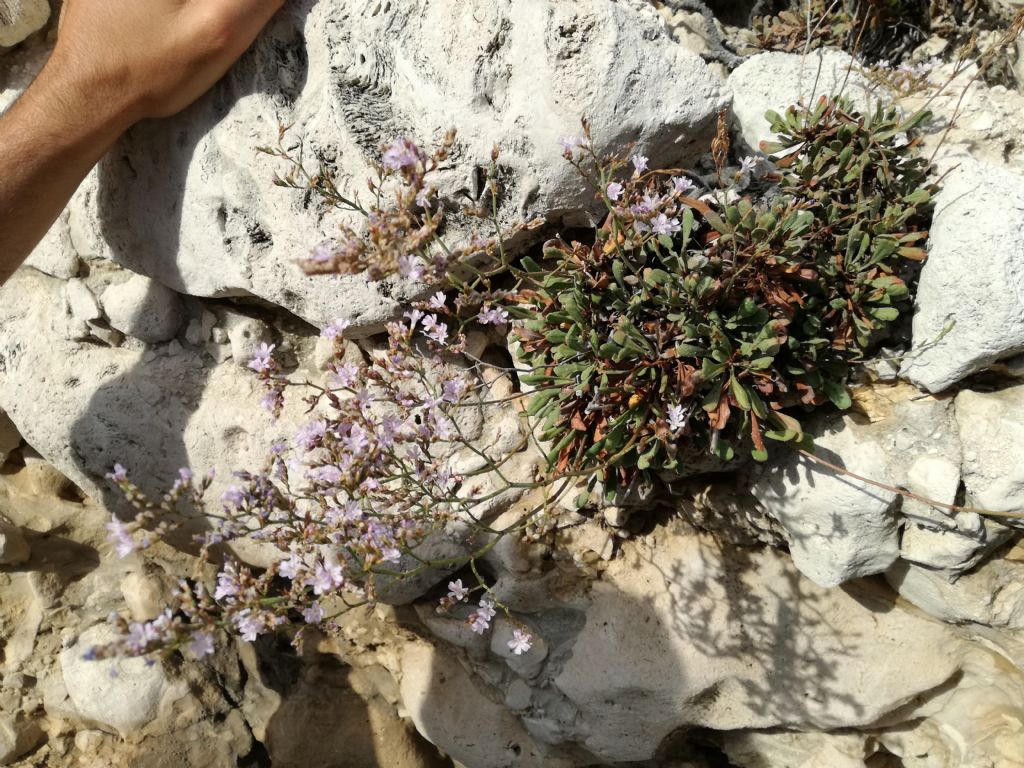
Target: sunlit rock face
<point>189,202</point>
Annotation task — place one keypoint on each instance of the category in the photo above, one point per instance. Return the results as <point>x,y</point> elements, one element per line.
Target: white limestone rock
<point>934,536</point>
<point>93,406</point>
<point>452,709</point>
<point>81,309</point>
<point>245,335</point>
<point>991,595</point>
<point>21,18</point>
<point>838,528</point>
<point>776,80</point>
<point>123,694</point>
<point>18,732</point>
<point>992,433</point>
<point>144,308</point>
<point>969,310</point>
<point>688,633</point>
<point>189,203</point>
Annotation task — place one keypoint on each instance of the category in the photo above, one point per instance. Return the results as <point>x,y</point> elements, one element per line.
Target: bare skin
<point>115,62</point>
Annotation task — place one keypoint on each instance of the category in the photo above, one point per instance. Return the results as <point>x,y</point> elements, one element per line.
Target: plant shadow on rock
<point>147,215</point>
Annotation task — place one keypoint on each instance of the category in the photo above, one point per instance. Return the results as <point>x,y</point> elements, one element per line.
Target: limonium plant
<point>702,312</point>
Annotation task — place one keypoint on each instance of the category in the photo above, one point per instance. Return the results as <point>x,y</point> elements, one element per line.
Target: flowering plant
<point>701,312</point>
<point>697,320</point>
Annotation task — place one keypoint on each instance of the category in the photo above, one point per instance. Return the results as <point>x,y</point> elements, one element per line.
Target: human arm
<point>115,62</point>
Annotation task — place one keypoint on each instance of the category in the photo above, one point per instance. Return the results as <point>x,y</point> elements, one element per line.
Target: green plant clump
<point>687,327</point>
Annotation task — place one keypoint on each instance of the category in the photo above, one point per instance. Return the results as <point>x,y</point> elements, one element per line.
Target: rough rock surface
<point>644,629</point>
<point>775,80</point>
<point>143,308</point>
<point>123,694</point>
<point>703,644</point>
<point>115,405</point>
<point>838,528</point>
<point>189,203</point>
<point>21,18</point>
<point>991,595</point>
<point>991,430</point>
<point>982,266</point>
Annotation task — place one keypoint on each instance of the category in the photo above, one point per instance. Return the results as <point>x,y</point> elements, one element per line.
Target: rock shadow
<point>138,416</point>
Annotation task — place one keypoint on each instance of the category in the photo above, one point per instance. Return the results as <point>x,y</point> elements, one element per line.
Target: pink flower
<point>614,191</point>
<point>640,163</point>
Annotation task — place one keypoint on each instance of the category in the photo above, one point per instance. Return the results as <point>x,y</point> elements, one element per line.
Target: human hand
<point>133,59</point>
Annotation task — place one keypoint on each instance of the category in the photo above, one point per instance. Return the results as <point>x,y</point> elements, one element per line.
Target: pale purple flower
<point>492,316</point>
<point>358,439</point>
<point>314,614</point>
<point>614,191</point>
<point>201,644</point>
<point>456,591</point>
<point>480,619</point>
<point>569,143</point>
<point>228,584</point>
<point>290,568</point>
<point>402,153</point>
<point>682,185</point>
<point>676,417</point>
<point>435,330</point>
<point>140,636</point>
<point>345,375</point>
<point>646,206</point>
<point>234,496</point>
<point>640,163</point>
<point>119,475</point>
<point>390,428</point>
<point>413,316</point>
<point>364,401</point>
<point>453,390</point>
<point>479,623</point>
<point>327,576</point>
<point>310,435</point>
<point>323,253</point>
<point>663,225</point>
<point>437,301</point>
<point>411,268</point>
<point>423,197</point>
<point>263,361</point>
<point>749,164</point>
<point>521,642</point>
<point>335,329</point>
<point>119,533</point>
<point>250,626</point>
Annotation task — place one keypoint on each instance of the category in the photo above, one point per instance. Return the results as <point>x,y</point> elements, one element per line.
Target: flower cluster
<point>346,501</point>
